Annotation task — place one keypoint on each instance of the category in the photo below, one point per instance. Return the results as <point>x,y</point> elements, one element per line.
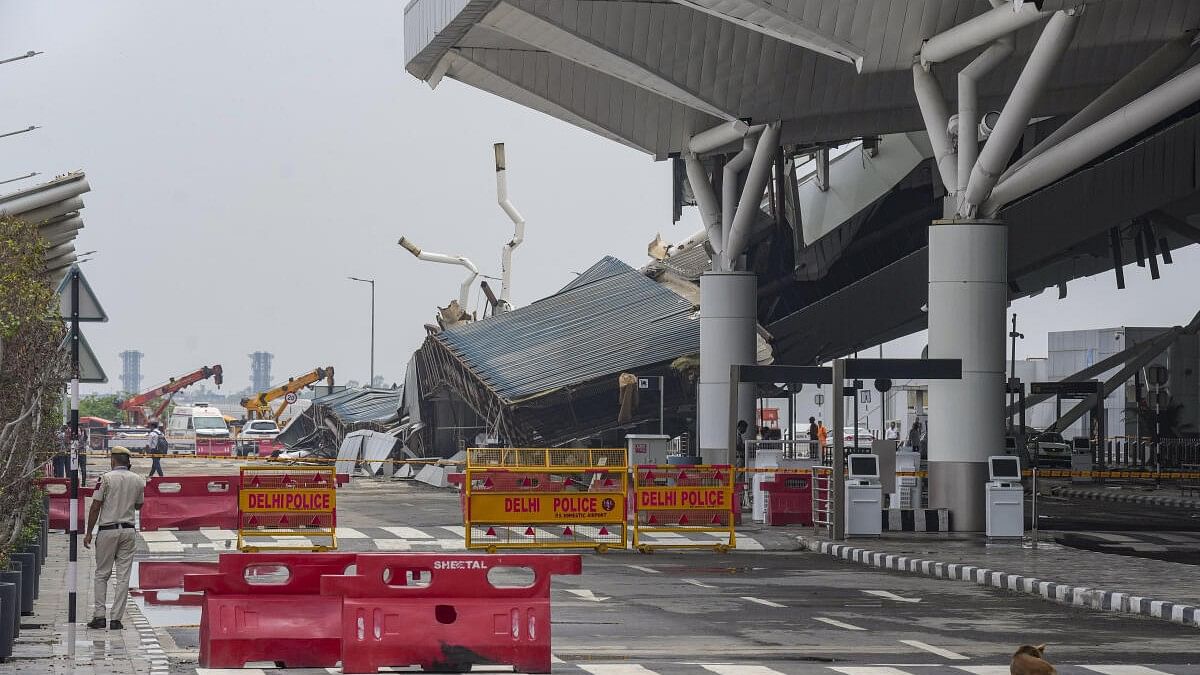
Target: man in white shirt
<point>120,494</point>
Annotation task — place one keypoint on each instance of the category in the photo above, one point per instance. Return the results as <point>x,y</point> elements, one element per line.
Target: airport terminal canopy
<point>651,73</point>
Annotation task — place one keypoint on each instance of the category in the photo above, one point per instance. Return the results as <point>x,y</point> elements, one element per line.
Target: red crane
<point>133,405</point>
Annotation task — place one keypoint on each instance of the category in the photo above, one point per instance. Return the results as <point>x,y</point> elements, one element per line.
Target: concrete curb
<point>1078,596</point>
<point>1113,496</point>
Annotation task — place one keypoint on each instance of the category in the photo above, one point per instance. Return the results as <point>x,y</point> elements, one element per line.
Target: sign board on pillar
<point>89,305</point>
<point>89,365</point>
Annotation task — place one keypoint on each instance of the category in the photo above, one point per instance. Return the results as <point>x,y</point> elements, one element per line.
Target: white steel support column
<point>728,330</point>
<point>968,294</point>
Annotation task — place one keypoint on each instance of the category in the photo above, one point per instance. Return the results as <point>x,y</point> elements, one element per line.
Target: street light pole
<point>371,382</point>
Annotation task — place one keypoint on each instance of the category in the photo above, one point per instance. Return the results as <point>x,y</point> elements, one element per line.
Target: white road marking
<point>408,533</point>
<point>1123,669</point>
<point>747,544</point>
<point>219,535</point>
<point>555,659</point>
<point>985,670</point>
<point>159,535</point>
<point>616,669</point>
<point>457,530</point>
<point>164,547</point>
<point>944,653</point>
<point>870,670</point>
<point>760,601</point>
<point>393,544</point>
<point>350,533</point>
<point>888,595</point>
<point>586,594</point>
<point>696,582</point>
<point>230,671</point>
<point>733,669</point>
<point>647,570</point>
<point>839,624</point>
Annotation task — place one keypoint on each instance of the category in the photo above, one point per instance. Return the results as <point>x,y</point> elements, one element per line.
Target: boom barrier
<point>674,500</point>
<point>296,503</point>
<point>529,498</point>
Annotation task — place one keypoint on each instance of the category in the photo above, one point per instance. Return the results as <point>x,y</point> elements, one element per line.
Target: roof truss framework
<point>684,65</point>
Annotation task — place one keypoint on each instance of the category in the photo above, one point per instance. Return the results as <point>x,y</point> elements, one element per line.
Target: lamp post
<point>371,382</point>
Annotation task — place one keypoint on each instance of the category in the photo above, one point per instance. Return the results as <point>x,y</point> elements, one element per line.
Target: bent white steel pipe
<point>1147,75</point>
<point>711,139</point>
<point>936,116</point>
<point>518,223</point>
<point>729,183</point>
<point>752,192</point>
<point>993,159</point>
<point>1101,137</point>
<point>968,104</point>
<point>464,290</point>
<point>976,32</point>
<point>706,200</point>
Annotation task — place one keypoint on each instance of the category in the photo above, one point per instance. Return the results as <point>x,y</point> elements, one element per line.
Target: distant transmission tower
<point>260,371</point>
<point>131,371</point>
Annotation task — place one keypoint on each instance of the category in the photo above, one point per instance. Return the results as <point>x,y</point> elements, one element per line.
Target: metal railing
<point>1171,453</point>
<point>822,496</point>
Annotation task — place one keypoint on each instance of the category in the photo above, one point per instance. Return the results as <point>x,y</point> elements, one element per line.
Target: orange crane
<point>259,405</point>
<point>133,406</point>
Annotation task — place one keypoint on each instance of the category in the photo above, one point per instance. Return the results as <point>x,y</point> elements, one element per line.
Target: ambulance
<point>198,429</point>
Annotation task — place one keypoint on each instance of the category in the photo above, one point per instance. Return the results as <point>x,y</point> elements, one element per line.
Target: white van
<point>199,428</point>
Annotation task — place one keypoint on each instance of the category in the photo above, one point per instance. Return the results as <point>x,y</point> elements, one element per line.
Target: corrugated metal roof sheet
<point>363,405</point>
<point>607,267</point>
<point>611,319</point>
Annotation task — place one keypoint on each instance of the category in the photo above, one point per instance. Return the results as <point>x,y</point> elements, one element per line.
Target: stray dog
<point>1028,661</point>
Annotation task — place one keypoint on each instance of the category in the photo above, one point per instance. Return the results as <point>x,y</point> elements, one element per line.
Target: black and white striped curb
<point>1078,596</point>
<point>148,640</point>
<point>916,520</point>
<point>1114,496</point>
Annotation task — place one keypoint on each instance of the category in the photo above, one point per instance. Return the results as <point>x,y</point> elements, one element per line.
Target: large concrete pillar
<point>728,330</point>
<point>968,296</point>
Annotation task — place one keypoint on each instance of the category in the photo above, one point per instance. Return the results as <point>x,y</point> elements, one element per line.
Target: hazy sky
<point>246,157</point>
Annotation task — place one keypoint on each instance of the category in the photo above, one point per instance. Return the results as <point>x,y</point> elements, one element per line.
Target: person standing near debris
<point>893,432</point>
<point>120,493</point>
<point>158,448</point>
<point>822,433</point>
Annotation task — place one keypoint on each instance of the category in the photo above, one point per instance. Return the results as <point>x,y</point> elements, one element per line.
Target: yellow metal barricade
<point>287,509</point>
<point>675,500</point>
<point>526,498</point>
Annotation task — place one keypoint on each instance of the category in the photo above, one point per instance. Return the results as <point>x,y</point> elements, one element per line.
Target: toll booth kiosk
<point>1005,518</point>
<point>864,497</point>
<point>909,489</point>
<point>1081,459</point>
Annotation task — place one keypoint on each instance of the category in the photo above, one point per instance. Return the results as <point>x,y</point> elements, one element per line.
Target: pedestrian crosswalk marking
<point>944,653</point>
<point>616,669</point>
<point>350,533</point>
<point>760,601</point>
<point>870,670</point>
<point>408,533</point>
<point>735,669</point>
<point>1122,669</point>
<point>985,670</point>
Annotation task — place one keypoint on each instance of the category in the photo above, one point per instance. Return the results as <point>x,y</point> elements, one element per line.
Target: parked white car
<point>259,430</point>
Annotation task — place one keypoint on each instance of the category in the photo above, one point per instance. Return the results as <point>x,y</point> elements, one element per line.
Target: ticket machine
<point>864,497</point>
<point>1005,498</point>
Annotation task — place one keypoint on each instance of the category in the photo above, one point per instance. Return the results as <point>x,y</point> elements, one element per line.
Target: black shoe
<point>98,622</point>
<point>115,625</point>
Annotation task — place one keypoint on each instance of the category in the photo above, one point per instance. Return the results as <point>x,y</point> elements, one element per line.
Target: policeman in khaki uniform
<point>113,504</point>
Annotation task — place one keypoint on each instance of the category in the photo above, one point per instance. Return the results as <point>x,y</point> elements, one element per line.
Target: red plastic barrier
<point>160,574</point>
<point>290,622</point>
<point>173,599</point>
<point>789,499</point>
<point>214,447</point>
<point>59,491</point>
<point>191,502</point>
<point>440,612</point>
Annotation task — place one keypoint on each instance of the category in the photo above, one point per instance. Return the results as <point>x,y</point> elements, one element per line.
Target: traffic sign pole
<point>73,557</point>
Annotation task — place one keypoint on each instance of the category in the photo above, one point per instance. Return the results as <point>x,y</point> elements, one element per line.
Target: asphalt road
<point>764,613</point>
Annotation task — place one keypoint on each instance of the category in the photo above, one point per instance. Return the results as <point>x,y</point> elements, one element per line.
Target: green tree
<point>96,405</point>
